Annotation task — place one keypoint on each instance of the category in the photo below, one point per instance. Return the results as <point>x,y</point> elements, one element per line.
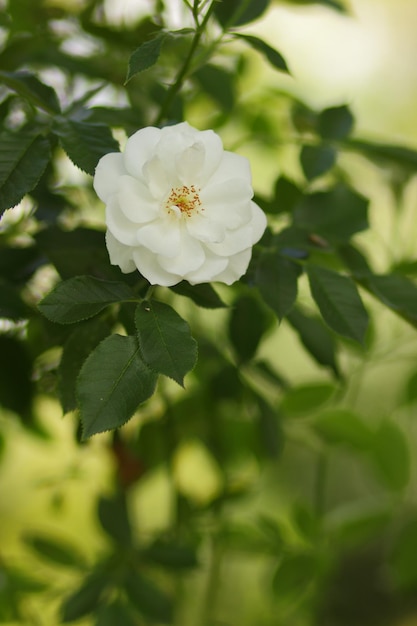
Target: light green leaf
<point>276,278</point>
<point>340,426</point>
<point>85,143</point>
<point>145,56</point>
<point>391,455</point>
<point>113,382</point>
<point>306,399</point>
<point>339,302</point>
<point>273,56</point>
<point>30,87</point>
<point>165,340</point>
<point>317,160</point>
<point>24,156</point>
<point>81,297</point>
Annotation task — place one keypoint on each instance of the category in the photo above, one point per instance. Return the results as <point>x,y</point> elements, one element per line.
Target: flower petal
<point>212,266</point>
<point>228,202</point>
<point>231,166</point>
<point>235,241</point>
<point>135,200</point>
<point>258,222</point>
<point>158,177</point>
<point>205,229</point>
<point>139,148</point>
<point>161,236</point>
<point>106,177</point>
<point>236,268</point>
<point>189,163</point>
<point>120,254</point>
<point>123,229</point>
<point>190,256</point>
<point>213,154</point>
<point>148,266</point>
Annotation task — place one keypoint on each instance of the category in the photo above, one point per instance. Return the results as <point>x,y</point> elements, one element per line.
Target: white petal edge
<point>120,254</point>
<point>107,174</point>
<point>147,264</point>
<point>237,267</point>
<point>123,229</point>
<point>162,236</point>
<point>135,200</point>
<point>140,147</point>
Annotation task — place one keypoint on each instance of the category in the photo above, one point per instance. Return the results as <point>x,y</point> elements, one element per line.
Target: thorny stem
<point>184,70</point>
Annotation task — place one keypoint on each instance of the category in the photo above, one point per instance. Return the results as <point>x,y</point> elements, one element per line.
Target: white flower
<point>179,207</point>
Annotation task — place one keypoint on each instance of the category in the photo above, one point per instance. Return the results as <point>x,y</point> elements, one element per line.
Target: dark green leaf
<point>286,195</point>
<point>30,87</point>
<point>411,389</point>
<point>315,337</point>
<point>113,382</point>
<point>147,598</point>
<point>247,324</point>
<point>85,143</point>
<point>273,56</point>
<point>82,297</point>
<point>217,83</point>
<point>317,160</point>
<point>276,278</point>
<point>114,518</point>
<point>11,304</point>
<point>391,455</point>
<point>340,426</point>
<point>271,434</point>
<point>358,523</point>
<point>165,340</point>
<point>306,399</point>
<point>170,554</point>
<point>145,56</point>
<point>86,598</point>
<point>386,154</point>
<point>402,558</point>
<point>294,574</point>
<point>236,13</point>
<point>339,302</point>
<point>24,156</point>
<point>397,292</point>
<point>336,214</point>
<point>115,614</point>
<point>16,385</point>
<point>335,122</point>
<point>56,551</point>
<point>203,295</point>
<point>78,346</point>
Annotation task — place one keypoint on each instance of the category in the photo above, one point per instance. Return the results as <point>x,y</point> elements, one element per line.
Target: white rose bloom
<point>179,207</point>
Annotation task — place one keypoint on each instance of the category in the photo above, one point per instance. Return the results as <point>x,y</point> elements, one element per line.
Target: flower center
<point>183,201</point>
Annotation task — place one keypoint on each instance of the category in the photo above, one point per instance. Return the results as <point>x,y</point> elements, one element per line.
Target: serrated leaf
<point>145,56</point>
<point>147,598</point>
<point>335,215</point>
<point>274,57</point>
<point>113,382</point>
<point>339,302</point>
<point>24,156</point>
<point>203,295</point>
<point>391,455</point>
<point>335,122</point>
<point>78,346</point>
<point>56,551</point>
<point>85,143</point>
<point>81,297</point>
<point>276,278</point>
<point>249,320</point>
<point>165,340</point>
<point>315,337</point>
<point>317,160</point>
<point>340,426</point>
<point>30,87</point>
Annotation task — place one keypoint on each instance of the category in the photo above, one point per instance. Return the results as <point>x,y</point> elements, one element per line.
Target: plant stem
<point>184,70</point>
<point>320,484</point>
<point>212,586</point>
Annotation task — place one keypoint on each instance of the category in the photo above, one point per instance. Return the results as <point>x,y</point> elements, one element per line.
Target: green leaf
<point>11,304</point>
<point>276,278</point>
<point>85,143</point>
<point>116,613</point>
<point>317,160</point>
<point>273,56</point>
<point>147,598</point>
<point>411,389</point>
<point>236,13</point>
<point>24,156</point>
<point>397,292</point>
<point>270,431</point>
<point>286,195</point>
<point>86,599</point>
<point>56,551</point>
<point>358,523</point>
<point>113,382</point>
<point>306,399</point>
<point>30,87</point>
<point>391,455</point>
<point>145,56</point>
<point>169,554</point>
<point>335,215</point>
<point>339,302</point>
<point>114,518</point>
<point>247,324</point>
<point>78,346</point>
<point>203,295</point>
<point>335,122</point>
<point>294,574</point>
<point>402,559</point>
<point>341,426</point>
<point>82,297</point>
<point>165,340</point>
<point>315,337</point>
<point>385,154</point>
<point>217,83</point>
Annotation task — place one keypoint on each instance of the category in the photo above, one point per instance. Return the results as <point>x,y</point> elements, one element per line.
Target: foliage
<point>129,351</point>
